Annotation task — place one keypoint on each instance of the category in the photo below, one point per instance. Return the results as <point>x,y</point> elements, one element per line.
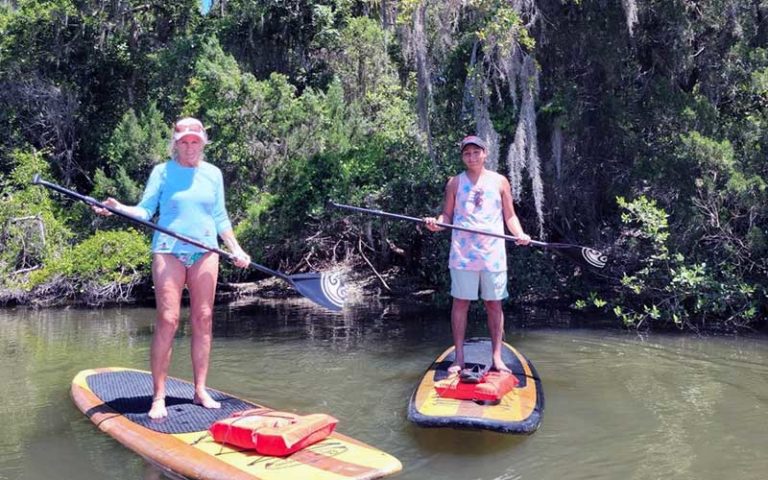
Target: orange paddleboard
<point>117,399</point>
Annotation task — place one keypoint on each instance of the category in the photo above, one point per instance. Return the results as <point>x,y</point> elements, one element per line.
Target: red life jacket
<point>272,433</point>
<point>492,387</point>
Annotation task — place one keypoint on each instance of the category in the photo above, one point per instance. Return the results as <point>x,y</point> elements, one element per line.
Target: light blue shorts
<point>466,283</point>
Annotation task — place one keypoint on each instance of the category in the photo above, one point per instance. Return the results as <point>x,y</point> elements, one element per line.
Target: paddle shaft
<point>381,213</point>
<point>583,255</point>
<point>93,202</point>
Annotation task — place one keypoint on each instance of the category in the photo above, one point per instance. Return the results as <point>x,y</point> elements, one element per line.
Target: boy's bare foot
<point>501,367</point>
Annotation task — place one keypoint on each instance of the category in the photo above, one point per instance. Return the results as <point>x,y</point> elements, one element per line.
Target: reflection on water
<point>618,405</point>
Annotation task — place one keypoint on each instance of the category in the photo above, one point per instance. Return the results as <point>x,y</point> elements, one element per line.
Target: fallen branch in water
<point>360,249</point>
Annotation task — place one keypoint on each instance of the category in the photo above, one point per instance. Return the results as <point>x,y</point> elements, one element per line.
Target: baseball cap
<point>473,140</point>
<point>189,126</point>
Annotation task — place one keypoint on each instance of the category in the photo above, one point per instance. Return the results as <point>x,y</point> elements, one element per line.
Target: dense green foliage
<point>102,268</point>
<point>638,127</point>
<point>33,228</point>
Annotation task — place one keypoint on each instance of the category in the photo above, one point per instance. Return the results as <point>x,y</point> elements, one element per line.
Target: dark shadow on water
<point>470,443</point>
<point>411,325</point>
<point>152,472</point>
<point>300,320</point>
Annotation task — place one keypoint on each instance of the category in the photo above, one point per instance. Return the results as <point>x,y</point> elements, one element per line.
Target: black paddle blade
<point>325,289</point>
<point>593,257</point>
<point>583,255</point>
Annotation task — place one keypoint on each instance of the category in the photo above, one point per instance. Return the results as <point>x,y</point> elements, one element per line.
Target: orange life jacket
<point>492,387</point>
<point>272,433</point>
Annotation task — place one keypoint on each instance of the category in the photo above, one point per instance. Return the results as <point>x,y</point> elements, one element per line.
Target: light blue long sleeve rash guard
<point>191,202</point>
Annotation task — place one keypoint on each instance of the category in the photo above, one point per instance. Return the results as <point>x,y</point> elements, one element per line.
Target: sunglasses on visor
<point>188,127</point>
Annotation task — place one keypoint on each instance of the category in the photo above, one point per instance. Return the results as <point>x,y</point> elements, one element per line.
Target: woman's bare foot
<point>204,399</point>
<point>158,409</point>
<point>455,368</point>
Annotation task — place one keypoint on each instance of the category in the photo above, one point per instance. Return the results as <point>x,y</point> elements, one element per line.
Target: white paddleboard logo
<point>334,288</point>
<point>594,258</point>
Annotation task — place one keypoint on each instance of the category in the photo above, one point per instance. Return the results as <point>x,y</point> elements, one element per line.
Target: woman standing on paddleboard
<point>189,194</point>
<point>480,199</point>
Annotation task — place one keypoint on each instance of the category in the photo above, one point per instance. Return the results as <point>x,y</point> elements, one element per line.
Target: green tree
<point>135,146</point>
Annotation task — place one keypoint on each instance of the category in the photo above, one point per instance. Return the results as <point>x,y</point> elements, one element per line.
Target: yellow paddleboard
<point>117,399</point>
<point>519,411</point>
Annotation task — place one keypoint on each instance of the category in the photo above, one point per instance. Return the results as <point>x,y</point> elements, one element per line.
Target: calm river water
<point>618,405</point>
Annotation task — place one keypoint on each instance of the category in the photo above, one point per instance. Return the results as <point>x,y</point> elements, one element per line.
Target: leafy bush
<point>103,268</point>
<point>31,226</point>
<point>668,288</point>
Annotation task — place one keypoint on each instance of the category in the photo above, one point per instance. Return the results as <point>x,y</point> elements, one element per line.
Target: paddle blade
<point>586,256</point>
<point>325,289</point>
<point>593,257</point>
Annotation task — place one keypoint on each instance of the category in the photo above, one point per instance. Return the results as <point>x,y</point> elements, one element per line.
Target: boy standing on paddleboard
<point>482,200</point>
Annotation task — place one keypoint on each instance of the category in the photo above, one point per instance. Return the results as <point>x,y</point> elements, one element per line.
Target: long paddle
<point>583,255</point>
<point>325,289</point>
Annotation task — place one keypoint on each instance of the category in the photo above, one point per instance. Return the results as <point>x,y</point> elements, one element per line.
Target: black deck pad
<point>130,393</point>
<point>477,351</point>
